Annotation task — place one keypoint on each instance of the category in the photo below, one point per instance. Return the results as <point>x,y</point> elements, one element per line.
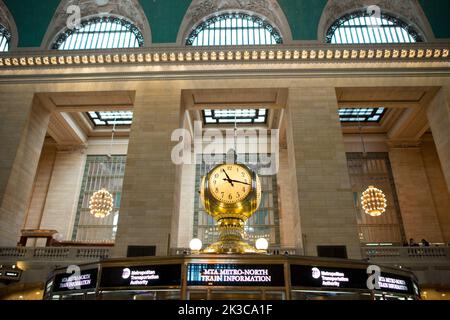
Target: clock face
<point>230,183</point>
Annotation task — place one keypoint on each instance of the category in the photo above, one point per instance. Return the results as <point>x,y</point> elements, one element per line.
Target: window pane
<point>234,29</point>
<point>101,33</point>
<point>100,172</point>
<point>362,28</point>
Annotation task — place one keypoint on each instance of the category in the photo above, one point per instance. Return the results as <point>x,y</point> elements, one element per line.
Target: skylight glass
<point>229,116</point>
<point>361,114</point>
<point>109,118</point>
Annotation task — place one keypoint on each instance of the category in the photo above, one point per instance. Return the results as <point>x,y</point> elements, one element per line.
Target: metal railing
<point>384,254</point>
<point>407,254</point>
<point>54,253</point>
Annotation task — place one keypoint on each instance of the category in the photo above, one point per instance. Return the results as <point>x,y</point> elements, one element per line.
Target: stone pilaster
<point>64,190</point>
<point>327,214</point>
<point>419,216</point>
<point>439,119</point>
<point>149,183</point>
<point>23,124</point>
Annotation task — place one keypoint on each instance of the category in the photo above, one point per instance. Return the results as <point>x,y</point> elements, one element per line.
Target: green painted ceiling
<point>303,17</point>
<point>33,16</point>
<point>438,12</point>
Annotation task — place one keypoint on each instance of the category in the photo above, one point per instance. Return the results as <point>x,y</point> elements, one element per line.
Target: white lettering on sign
<point>391,283</point>
<point>236,275</point>
<point>75,281</point>
<point>329,279</point>
<point>142,278</point>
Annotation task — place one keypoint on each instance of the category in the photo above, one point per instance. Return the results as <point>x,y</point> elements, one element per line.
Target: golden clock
<point>230,193</point>
<point>231,189</point>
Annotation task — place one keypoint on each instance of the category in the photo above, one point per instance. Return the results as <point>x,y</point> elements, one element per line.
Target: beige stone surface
<point>149,183</point>
<point>41,186</point>
<point>327,215</point>
<point>64,190</point>
<point>438,187</point>
<point>23,125</point>
<point>418,210</point>
<point>290,233</point>
<point>439,119</point>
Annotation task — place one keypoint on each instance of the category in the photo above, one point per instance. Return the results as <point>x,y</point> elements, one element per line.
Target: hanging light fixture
<point>101,203</point>
<point>373,200</point>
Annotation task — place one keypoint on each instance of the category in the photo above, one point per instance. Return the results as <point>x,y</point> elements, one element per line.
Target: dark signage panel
<point>397,284</point>
<point>141,276</point>
<point>87,279</point>
<point>9,274</point>
<point>235,275</point>
<point>345,278</point>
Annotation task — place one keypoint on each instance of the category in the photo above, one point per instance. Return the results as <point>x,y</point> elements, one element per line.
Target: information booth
<point>240,277</point>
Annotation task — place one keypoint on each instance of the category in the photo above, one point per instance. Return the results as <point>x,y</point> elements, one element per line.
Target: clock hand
<point>239,182</point>
<point>228,178</point>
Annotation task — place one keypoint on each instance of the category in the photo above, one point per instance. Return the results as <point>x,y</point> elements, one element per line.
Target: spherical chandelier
<point>373,201</point>
<point>101,203</point>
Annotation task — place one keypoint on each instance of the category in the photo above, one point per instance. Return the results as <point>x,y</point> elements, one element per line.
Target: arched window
<point>100,33</point>
<point>5,38</point>
<point>234,29</point>
<point>363,28</point>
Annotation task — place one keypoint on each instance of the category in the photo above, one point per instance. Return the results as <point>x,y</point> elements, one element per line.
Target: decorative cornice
<point>403,144</point>
<point>187,55</point>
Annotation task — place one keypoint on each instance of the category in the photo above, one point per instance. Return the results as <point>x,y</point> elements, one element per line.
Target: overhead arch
<point>408,11</point>
<point>128,10</point>
<point>202,10</point>
<point>7,21</point>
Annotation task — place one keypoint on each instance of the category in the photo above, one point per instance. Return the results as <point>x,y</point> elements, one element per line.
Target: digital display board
<point>85,280</point>
<point>347,278</point>
<point>235,275</point>
<point>141,276</point>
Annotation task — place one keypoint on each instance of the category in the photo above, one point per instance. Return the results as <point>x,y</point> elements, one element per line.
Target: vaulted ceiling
<point>33,17</point>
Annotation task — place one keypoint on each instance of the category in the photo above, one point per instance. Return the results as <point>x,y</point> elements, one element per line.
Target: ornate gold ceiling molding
<point>189,55</point>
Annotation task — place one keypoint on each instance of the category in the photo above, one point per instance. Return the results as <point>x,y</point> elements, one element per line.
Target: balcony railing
<point>54,253</point>
<point>272,250</point>
<point>408,254</point>
<point>381,254</point>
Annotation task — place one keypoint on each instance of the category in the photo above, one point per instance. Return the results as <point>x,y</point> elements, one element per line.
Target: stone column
<point>64,191</point>
<point>418,211</point>
<point>327,213</point>
<point>41,186</point>
<point>439,119</point>
<point>149,183</point>
<point>23,125</point>
<point>438,187</point>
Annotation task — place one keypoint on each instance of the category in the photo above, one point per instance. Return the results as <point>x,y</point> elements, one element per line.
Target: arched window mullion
<point>5,39</point>
<point>100,33</point>
<point>233,29</point>
<point>359,28</point>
